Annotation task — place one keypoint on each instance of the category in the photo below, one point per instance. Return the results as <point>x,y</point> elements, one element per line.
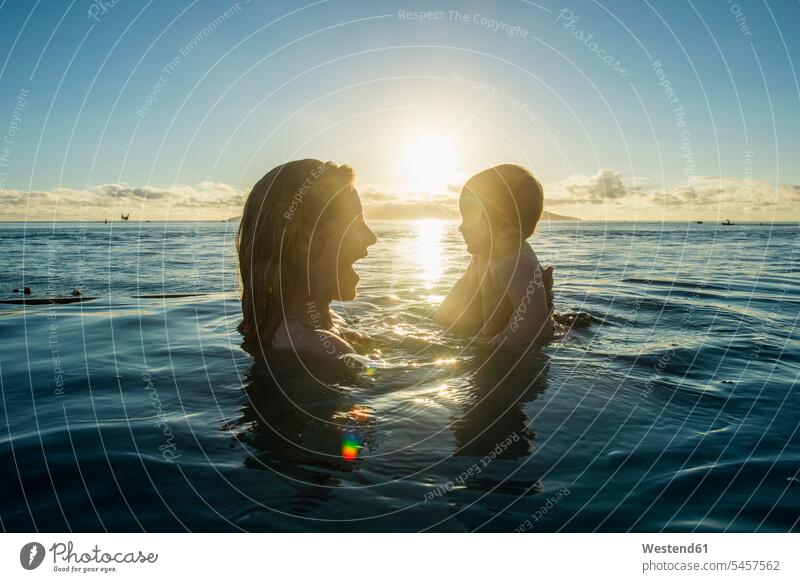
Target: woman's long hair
<point>272,242</point>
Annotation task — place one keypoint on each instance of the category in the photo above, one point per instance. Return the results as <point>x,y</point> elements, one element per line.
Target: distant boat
<point>105,221</point>
<point>699,222</point>
<point>727,222</point>
<point>125,216</point>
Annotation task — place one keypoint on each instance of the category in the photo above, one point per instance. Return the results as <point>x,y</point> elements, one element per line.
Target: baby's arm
<point>529,290</point>
<point>461,311</point>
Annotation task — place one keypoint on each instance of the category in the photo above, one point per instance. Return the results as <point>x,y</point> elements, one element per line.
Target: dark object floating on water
<point>125,216</point>
<point>699,222</point>
<point>728,382</point>
<point>76,292</point>
<point>15,290</point>
<point>575,320</point>
<point>727,222</point>
<point>51,301</point>
<point>105,221</point>
<point>27,290</point>
<point>169,296</point>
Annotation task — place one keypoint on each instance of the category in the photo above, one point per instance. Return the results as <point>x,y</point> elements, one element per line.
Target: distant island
<point>422,211</point>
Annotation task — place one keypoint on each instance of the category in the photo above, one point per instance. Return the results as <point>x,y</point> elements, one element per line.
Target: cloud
<point>200,195</point>
<point>734,195</point>
<point>370,195</point>
<point>178,201</point>
<point>606,193</point>
<point>605,186</point>
<point>410,211</point>
<point>741,194</point>
<point>373,196</point>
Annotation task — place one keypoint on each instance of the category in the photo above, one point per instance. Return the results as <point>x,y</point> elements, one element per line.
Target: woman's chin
<point>348,282</point>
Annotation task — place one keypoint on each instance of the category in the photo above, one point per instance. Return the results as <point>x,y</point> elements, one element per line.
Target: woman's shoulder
<point>295,336</point>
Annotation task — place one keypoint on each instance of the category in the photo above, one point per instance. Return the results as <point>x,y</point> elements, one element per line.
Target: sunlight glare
<point>429,163</point>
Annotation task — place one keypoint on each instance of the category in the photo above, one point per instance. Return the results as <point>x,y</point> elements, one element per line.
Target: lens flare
<point>351,446</point>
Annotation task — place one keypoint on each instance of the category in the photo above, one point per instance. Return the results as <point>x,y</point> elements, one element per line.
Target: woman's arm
<point>354,338</point>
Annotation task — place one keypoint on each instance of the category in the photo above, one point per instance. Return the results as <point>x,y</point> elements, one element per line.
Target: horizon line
<point>569,219</point>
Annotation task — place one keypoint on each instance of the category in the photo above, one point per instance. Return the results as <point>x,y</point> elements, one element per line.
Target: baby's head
<point>500,208</point>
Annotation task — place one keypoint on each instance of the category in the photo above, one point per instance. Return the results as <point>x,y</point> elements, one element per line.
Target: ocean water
<point>676,409</point>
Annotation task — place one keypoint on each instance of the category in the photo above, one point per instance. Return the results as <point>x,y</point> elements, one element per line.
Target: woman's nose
<point>369,238</point>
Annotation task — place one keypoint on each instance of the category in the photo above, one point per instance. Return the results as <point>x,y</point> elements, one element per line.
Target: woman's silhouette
<point>302,230</point>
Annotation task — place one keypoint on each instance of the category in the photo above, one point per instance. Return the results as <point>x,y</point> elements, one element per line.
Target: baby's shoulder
<point>519,263</point>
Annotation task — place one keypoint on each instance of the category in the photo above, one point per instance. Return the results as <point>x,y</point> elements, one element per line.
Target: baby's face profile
<point>475,225</point>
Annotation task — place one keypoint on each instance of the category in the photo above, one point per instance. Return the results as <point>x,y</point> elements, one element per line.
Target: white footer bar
<point>402,557</point>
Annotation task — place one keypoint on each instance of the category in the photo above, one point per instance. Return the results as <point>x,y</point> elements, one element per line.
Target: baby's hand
<point>547,281</point>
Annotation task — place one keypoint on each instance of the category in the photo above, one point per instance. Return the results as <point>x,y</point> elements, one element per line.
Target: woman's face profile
<point>342,240</point>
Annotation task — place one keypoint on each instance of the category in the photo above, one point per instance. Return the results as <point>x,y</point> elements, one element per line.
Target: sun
<point>429,163</point>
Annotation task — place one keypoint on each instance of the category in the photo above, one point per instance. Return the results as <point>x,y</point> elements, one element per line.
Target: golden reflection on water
<point>429,254</point>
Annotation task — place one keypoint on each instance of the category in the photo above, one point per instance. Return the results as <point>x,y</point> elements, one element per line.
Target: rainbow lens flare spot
<point>351,447</point>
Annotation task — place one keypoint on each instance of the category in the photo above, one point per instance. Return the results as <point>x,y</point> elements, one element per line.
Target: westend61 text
<point>671,549</point>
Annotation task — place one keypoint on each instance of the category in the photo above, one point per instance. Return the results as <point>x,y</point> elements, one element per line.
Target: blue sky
<point>236,88</point>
